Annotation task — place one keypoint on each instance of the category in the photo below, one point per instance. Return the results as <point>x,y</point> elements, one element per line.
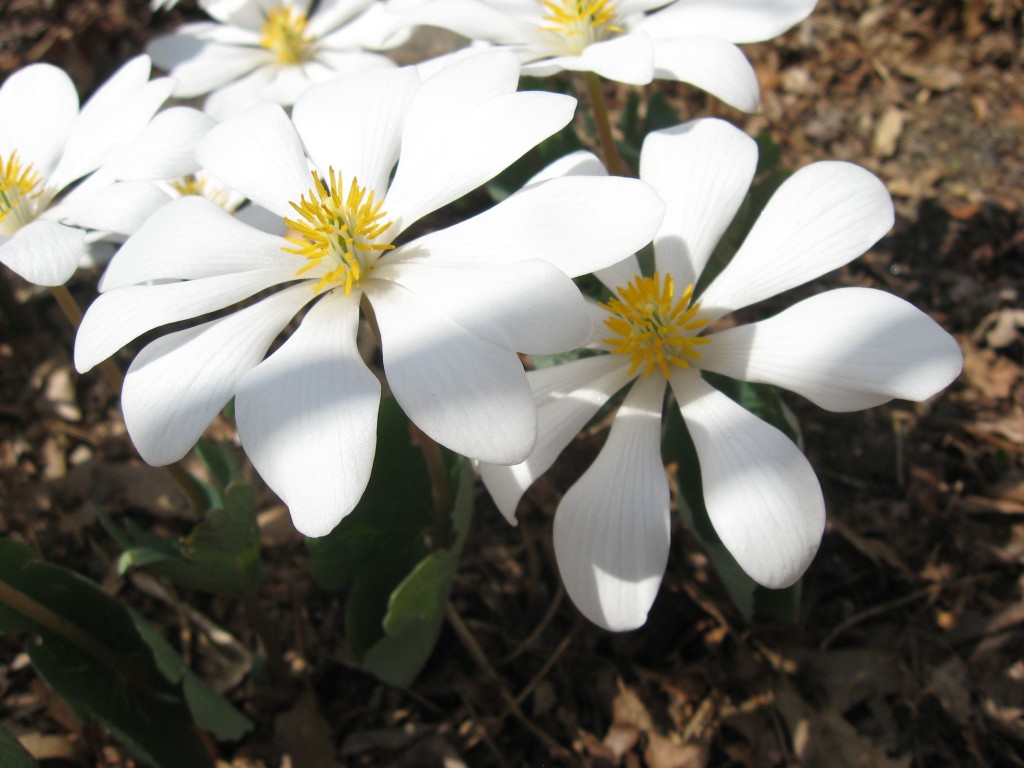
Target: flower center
<point>20,186</point>
<point>200,185</point>
<point>340,229</point>
<point>651,328</point>
<point>580,22</point>
<point>284,33</point>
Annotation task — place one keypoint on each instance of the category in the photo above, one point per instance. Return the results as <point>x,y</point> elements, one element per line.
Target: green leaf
<point>417,606</point>
<point>92,654</point>
<point>221,555</point>
<point>209,709</point>
<point>383,538</point>
<point>12,754</point>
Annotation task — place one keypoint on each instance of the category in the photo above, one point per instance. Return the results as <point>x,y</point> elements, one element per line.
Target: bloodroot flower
<point>629,41</point>
<point>844,349</point>
<point>452,306</point>
<point>271,51</point>
<point>50,151</point>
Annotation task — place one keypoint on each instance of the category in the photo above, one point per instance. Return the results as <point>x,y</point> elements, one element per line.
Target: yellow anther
<point>651,328</point>
<point>580,22</point>
<point>284,33</point>
<point>19,184</point>
<point>340,228</point>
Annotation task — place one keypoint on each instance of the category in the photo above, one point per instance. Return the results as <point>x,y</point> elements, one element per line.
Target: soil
<point>906,650</point>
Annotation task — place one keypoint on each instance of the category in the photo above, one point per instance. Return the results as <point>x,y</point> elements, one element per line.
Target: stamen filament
<point>651,328</point>
<point>339,227</point>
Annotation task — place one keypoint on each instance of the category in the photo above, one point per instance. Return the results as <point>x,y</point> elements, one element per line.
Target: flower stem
<point>115,378</point>
<point>612,159</point>
<point>53,622</point>
<point>440,489</point>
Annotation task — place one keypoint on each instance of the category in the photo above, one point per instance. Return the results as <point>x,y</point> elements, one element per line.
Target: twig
<point>478,656</point>
<point>549,614</point>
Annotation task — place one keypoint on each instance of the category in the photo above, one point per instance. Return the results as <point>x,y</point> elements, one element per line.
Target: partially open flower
<point>272,50</point>
<point>50,191</point>
<point>630,41</point>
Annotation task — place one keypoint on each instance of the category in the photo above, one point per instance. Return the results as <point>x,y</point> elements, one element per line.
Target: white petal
<point>567,397</point>
<point>713,65</point>
<point>619,275</point>
<point>232,99</point>
<point>178,383</point>
<point>286,84</point>
<point>528,307</point>
<point>259,154</point>
<point>190,238</point>
<point>117,317</point>
<point>367,147</point>
<point>44,252</point>
<point>114,115</point>
<point>331,14</point>
<point>739,21</point>
<point>628,58</point>
<point>246,14</point>
<point>845,350</point>
<point>375,28</point>
<point>578,163</point>
<point>200,65</point>
<point>165,149</point>
<point>471,19</point>
<point>702,170</point>
<point>464,127</point>
<point>39,105</point>
<point>558,221</point>
<point>468,394</point>
<point>822,217</point>
<point>330,64</point>
<point>120,208</point>
<point>307,417</point>
<point>612,528</point>
<point>760,492</point>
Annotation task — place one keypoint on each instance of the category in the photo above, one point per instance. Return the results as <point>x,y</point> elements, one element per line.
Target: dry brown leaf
<point>991,373</point>
<point>887,132</point>
<point>948,682</point>
<point>304,734</point>
<point>665,753</point>
<point>827,738</point>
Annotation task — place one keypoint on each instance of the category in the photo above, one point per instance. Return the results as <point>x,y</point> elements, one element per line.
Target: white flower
<point>47,145</point>
<point>844,349</point>
<point>271,50</point>
<point>630,41</point>
<point>452,306</point>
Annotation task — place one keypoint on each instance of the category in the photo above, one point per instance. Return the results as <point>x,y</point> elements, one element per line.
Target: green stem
<point>115,378</point>
<point>440,489</point>
<point>612,159</point>
<point>72,633</point>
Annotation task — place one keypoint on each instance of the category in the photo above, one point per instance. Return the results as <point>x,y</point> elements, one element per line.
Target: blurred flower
<point>452,307</point>
<point>269,51</point>
<point>47,145</point>
<point>630,41</point>
<point>844,349</point>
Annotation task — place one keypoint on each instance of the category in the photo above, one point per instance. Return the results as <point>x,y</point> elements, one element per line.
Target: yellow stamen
<point>340,228</point>
<point>580,22</point>
<point>653,330</point>
<point>284,33</point>
<point>19,184</point>
<point>198,185</point>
